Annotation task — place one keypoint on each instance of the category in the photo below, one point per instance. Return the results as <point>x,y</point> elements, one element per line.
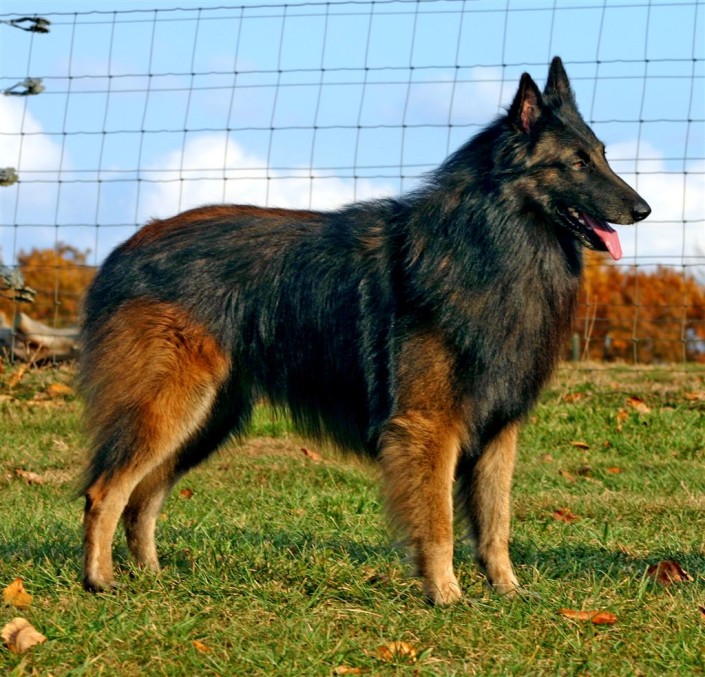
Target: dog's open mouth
<point>593,232</point>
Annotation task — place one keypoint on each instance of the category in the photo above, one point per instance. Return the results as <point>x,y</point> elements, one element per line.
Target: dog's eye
<point>580,163</point>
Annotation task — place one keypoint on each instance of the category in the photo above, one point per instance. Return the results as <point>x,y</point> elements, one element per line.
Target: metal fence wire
<point>110,118</point>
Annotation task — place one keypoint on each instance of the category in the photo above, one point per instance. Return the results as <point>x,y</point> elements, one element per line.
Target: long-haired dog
<point>418,330</point>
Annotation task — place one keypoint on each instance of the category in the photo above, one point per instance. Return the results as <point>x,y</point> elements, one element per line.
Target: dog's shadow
<point>576,561</point>
<point>62,551</point>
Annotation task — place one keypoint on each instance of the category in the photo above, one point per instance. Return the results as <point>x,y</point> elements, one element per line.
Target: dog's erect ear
<point>526,107</point>
<point>557,85</point>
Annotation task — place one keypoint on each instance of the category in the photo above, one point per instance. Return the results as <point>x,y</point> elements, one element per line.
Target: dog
<point>418,330</point>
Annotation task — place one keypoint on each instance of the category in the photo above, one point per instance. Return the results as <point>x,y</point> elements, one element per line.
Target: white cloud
<point>34,155</point>
<point>35,151</point>
<point>673,197</point>
<point>244,180</point>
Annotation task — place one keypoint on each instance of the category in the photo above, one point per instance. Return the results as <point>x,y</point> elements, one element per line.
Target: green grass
<point>283,566</point>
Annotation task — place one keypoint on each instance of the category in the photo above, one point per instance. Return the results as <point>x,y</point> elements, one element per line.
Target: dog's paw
<point>443,592</point>
<point>94,585</point>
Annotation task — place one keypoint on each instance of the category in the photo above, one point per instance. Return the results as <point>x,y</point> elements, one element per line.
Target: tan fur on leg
<point>419,452</point>
<point>490,508</point>
<point>155,379</point>
<point>142,511</point>
<point>418,460</point>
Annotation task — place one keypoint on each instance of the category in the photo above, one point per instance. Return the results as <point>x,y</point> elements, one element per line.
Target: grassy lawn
<point>280,564</point>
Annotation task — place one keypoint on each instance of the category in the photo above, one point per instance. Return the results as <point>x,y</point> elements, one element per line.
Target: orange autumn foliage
<point>625,313</point>
<point>640,315</point>
<point>60,276</point>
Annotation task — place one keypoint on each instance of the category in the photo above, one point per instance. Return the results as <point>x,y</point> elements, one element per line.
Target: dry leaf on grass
<point>311,454</point>
<point>200,646</point>
<point>565,515</point>
<point>59,390</point>
<point>579,444</point>
<point>667,572</point>
<point>572,397</point>
<point>20,635</point>
<point>347,670</point>
<point>614,470</point>
<point>622,416</point>
<point>567,476</point>
<point>29,476</point>
<point>186,493</point>
<point>694,397</point>
<point>15,379</point>
<point>638,405</point>
<point>595,617</point>
<point>701,609</point>
<point>16,595</point>
<point>393,651</point>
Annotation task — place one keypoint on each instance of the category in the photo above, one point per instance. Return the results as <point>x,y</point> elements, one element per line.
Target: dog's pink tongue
<point>607,234</point>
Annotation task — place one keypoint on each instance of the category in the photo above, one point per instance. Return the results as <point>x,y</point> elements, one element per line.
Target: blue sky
<point>315,104</point>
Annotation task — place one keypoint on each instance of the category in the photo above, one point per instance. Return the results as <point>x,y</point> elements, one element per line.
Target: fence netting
<point>110,118</point>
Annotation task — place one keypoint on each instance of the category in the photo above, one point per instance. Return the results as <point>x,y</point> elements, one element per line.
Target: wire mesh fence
<point>111,118</point>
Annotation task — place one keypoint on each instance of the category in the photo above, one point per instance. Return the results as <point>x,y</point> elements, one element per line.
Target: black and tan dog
<point>418,330</point>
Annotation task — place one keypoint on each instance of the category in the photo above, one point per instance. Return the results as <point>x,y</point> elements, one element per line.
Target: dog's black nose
<point>640,210</point>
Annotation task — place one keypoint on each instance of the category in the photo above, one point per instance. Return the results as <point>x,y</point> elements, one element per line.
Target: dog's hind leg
<point>150,377</point>
<point>485,495</point>
<point>142,511</point>
<point>230,415</point>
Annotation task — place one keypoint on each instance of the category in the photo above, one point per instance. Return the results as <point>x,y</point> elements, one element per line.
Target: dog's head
<point>566,173</point>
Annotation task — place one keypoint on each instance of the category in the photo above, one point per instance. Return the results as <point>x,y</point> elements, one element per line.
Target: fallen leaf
<point>596,617</point>
<point>638,404</point>
<point>694,397</point>
<point>547,458</point>
<point>16,595</point>
<point>584,471</point>
<point>186,493</point>
<point>20,635</point>
<point>59,390</point>
<point>667,572</point>
<point>614,470</point>
<point>604,618</point>
<point>566,475</point>
<point>573,397</point>
<point>565,515</point>
<point>701,609</point>
<point>347,670</point>
<point>311,454</point>
<point>393,651</point>
<point>607,444</point>
<point>622,416</point>
<point>15,379</point>
<point>200,646</point>
<point>29,476</point>
<point>579,444</point>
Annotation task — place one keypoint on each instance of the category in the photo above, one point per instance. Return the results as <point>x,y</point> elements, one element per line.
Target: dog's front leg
<point>485,495</point>
<point>419,452</point>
